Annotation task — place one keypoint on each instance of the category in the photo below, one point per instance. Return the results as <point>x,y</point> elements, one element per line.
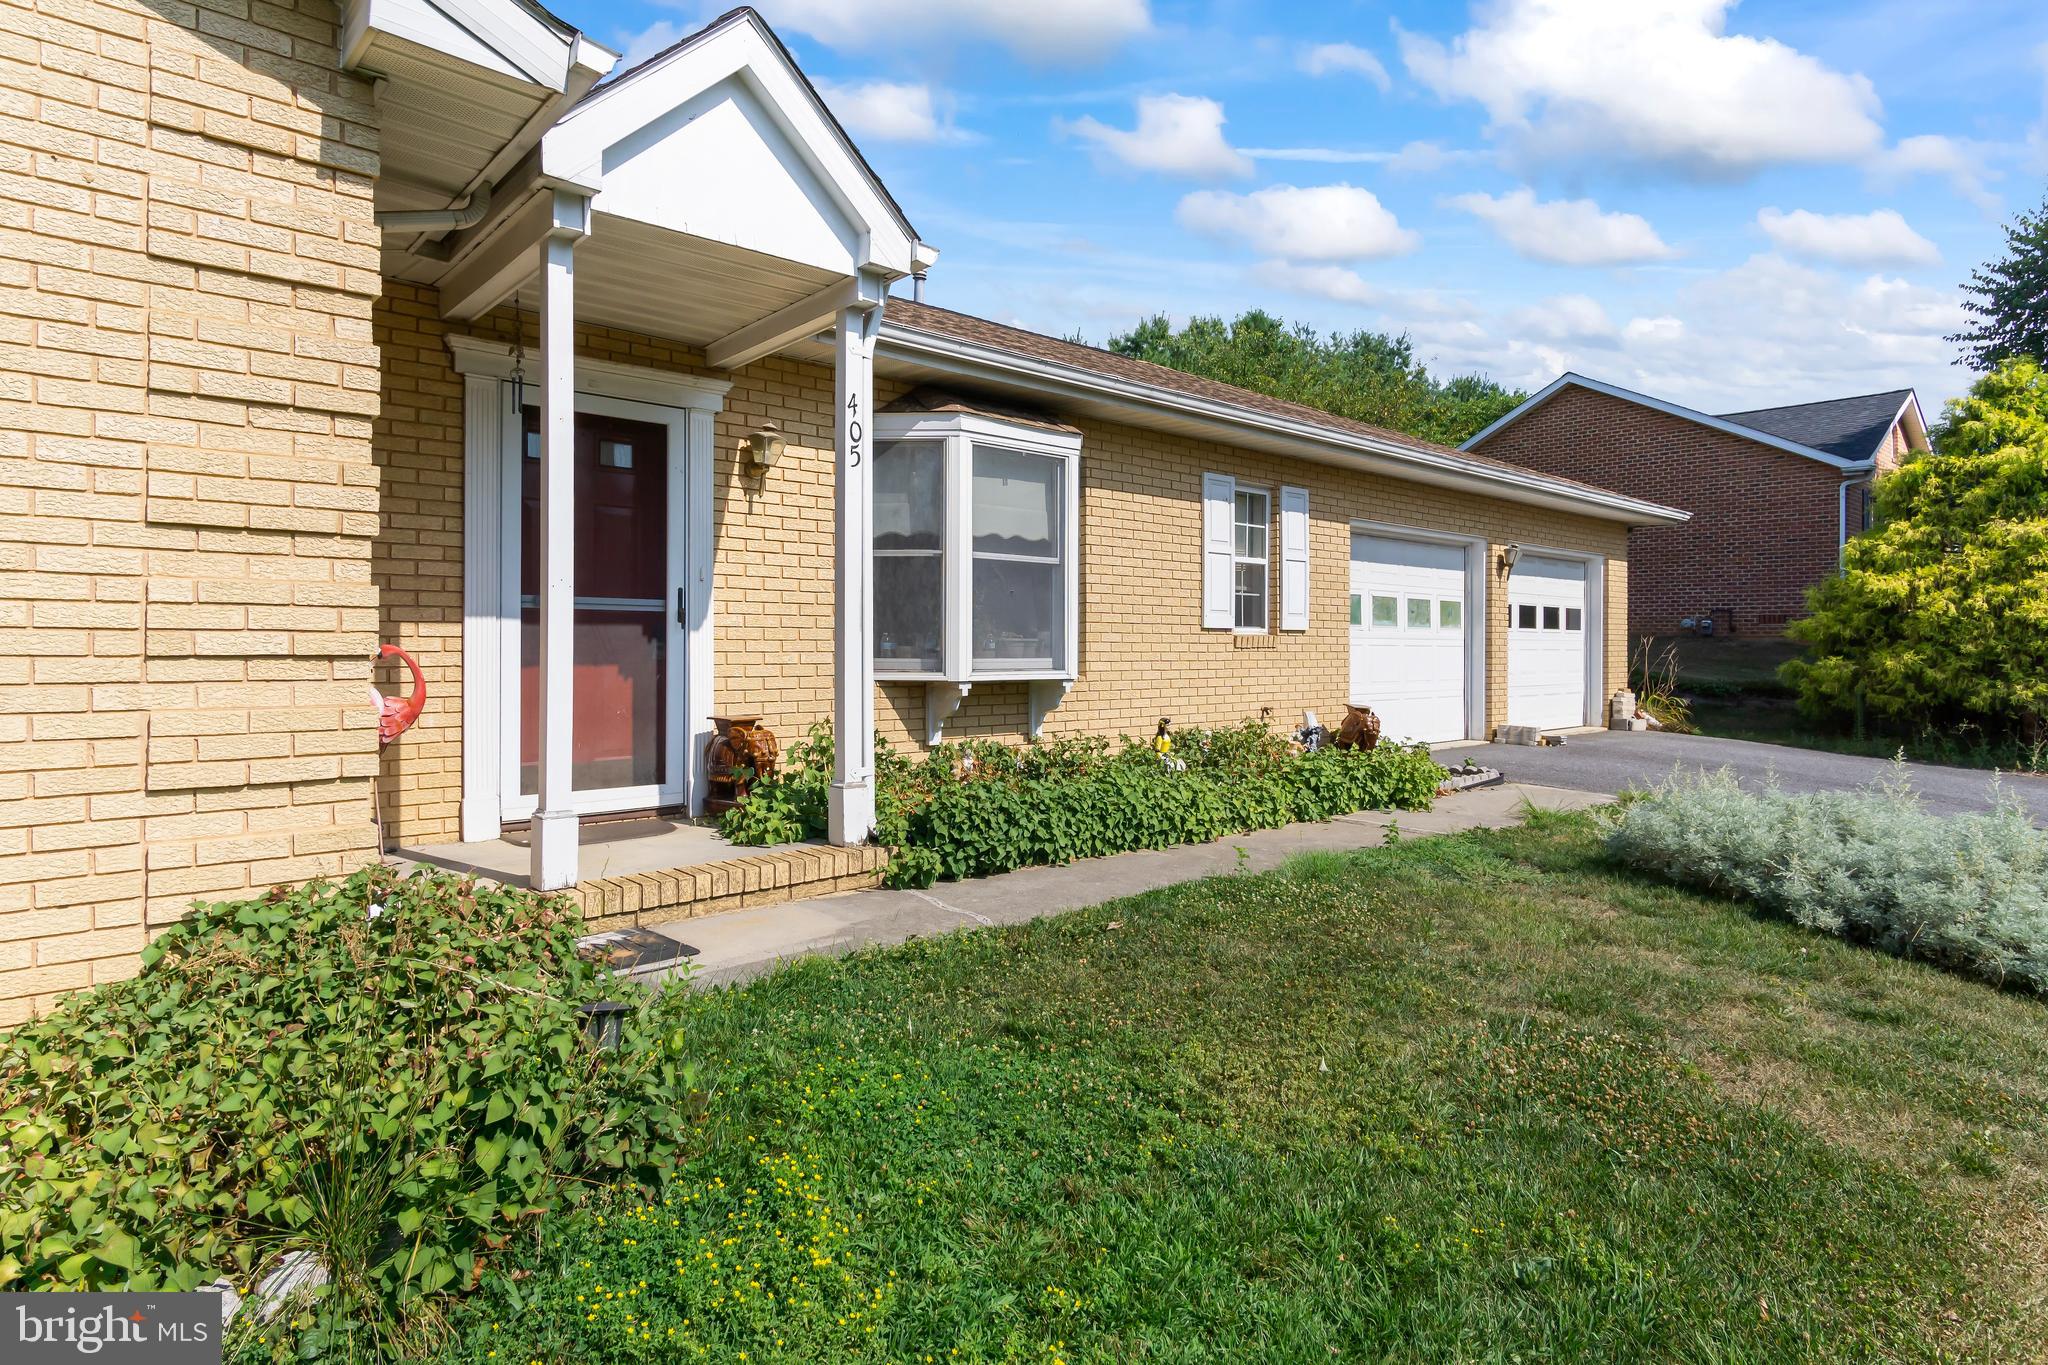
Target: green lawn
<point>1480,1097</point>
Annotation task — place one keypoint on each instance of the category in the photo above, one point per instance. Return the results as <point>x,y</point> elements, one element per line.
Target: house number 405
<point>853,430</point>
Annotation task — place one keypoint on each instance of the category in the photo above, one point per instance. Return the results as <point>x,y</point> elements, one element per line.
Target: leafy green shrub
<point>971,809</point>
<point>1938,622</point>
<point>748,1257</point>
<point>1969,892</point>
<point>387,1071</point>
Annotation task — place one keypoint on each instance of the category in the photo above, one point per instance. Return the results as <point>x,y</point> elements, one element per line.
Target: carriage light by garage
<point>762,448</point>
<point>1510,556</point>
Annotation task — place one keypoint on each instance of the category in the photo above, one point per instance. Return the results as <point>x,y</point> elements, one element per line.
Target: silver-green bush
<point>1969,892</point>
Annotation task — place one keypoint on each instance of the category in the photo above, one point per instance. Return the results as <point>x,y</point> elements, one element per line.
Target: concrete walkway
<point>742,944</point>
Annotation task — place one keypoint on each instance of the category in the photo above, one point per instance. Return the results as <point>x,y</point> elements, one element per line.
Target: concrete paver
<point>742,944</point>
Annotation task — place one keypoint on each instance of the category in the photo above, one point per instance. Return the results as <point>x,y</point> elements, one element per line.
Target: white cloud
<point>1340,284</point>
<point>635,48</point>
<point>1574,318</point>
<point>1176,135</point>
<point>1327,59</point>
<point>1960,162</point>
<point>887,111</point>
<point>1566,231</point>
<point>1039,31</point>
<point>1650,332</point>
<point>1765,332</point>
<point>1419,157</point>
<point>1881,237</point>
<point>1322,223</point>
<point>1657,81</point>
<point>1333,282</point>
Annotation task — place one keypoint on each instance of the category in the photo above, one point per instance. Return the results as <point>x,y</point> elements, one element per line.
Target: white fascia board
<point>1326,444</point>
<point>1571,380</point>
<point>490,34</point>
<point>1911,408</point>
<point>572,152</point>
<point>1028,436</point>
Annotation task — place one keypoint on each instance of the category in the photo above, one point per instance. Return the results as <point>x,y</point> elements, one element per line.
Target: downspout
<point>449,219</point>
<point>1864,476</point>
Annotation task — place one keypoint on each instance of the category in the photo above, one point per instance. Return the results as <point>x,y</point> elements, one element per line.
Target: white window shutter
<point>1219,512</point>
<point>1294,559</point>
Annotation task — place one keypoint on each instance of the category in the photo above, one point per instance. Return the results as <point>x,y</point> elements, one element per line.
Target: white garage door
<point>1408,636</point>
<point>1547,643</point>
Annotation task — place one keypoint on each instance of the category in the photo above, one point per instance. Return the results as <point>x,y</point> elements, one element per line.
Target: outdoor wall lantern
<point>762,448</point>
<point>1510,556</point>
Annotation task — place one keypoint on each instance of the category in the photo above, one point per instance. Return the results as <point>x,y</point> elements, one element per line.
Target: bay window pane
<point>1019,606</point>
<point>910,603</point>
<point>910,486</point>
<point>1017,503</point>
<point>910,562</point>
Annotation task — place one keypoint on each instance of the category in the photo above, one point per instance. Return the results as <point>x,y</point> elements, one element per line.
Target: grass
<point>1734,690</point>
<point>1482,1097</point>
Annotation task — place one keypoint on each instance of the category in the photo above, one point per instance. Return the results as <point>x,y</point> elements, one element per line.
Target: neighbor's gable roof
<point>1848,428</point>
<point>1722,424</point>
<point>921,331</point>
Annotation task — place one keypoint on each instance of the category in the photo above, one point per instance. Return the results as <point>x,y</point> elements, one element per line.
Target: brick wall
<point>1143,652</point>
<point>187,502</point>
<point>1765,525</point>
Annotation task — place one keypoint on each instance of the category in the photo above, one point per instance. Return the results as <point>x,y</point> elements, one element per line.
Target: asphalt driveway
<point>1608,761</point>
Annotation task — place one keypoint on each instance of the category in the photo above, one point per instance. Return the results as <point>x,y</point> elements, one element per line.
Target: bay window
<point>975,549</point>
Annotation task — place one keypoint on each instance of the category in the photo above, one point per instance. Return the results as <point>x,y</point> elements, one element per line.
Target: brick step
<point>769,878</point>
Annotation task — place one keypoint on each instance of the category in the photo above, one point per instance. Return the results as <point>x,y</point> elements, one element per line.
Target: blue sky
<point>1725,205</point>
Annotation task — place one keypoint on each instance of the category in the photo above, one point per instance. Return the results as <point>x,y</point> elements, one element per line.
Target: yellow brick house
<point>329,325</point>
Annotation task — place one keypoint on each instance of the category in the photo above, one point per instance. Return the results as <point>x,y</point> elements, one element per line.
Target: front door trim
<point>688,406</point>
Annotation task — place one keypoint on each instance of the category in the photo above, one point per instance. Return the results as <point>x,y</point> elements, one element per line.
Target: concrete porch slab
<point>639,871</point>
<point>609,849</point>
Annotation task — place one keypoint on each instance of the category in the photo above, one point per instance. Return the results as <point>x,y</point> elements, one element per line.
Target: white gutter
<point>450,219</point>
<point>948,352</point>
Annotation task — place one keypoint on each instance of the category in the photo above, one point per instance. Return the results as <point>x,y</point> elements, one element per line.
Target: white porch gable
<point>706,196</point>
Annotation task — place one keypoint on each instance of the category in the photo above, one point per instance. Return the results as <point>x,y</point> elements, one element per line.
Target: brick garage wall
<point>1143,652</point>
<point>187,501</point>
<point>1765,525</point>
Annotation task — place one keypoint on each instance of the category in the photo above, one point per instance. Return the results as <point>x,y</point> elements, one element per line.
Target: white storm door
<point>630,719</point>
<point>1547,643</point>
<point>1409,642</point>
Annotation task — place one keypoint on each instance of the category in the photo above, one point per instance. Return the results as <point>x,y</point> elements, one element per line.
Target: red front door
<point>621,611</point>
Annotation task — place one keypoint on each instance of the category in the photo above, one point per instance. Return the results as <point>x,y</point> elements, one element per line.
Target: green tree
<point>2008,299</point>
<point>1940,617</point>
<point>1366,376</point>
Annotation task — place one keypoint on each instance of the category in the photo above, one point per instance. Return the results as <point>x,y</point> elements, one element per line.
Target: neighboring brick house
<point>328,326</point>
<point>1774,492</point>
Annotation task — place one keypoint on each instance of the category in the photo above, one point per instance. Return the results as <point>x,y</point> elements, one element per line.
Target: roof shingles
<point>1847,428</point>
<point>922,317</point>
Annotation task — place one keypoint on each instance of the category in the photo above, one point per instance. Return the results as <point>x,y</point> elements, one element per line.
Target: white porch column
<point>851,808</point>
<point>554,821</point>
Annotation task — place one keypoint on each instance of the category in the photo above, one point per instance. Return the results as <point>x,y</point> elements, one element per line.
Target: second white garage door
<point>1408,635</point>
<point>1547,641</point>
